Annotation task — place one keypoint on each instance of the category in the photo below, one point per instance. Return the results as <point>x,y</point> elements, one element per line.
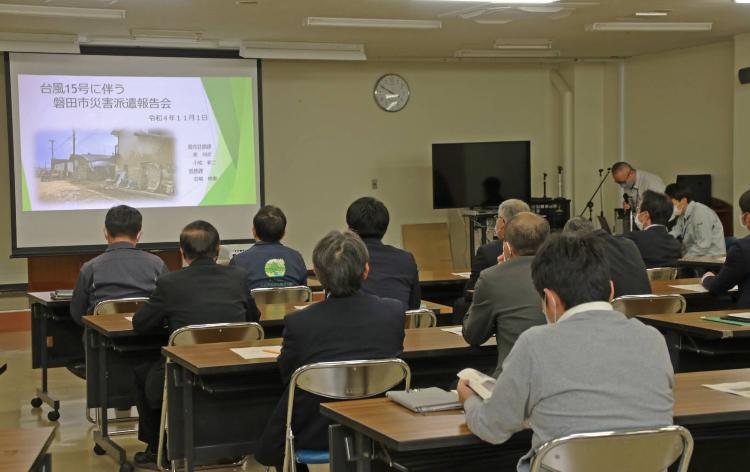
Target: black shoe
<point>78,369</point>
<point>145,459</point>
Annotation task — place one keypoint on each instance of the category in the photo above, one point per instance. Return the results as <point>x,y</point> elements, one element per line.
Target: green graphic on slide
<point>232,103</point>
<point>25,200</point>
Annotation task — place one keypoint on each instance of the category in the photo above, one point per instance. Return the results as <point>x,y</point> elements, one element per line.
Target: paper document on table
<point>300,307</point>
<point>265,352</point>
<point>735,388</point>
<point>698,288</point>
<point>464,275</point>
<point>455,330</point>
<point>129,318</point>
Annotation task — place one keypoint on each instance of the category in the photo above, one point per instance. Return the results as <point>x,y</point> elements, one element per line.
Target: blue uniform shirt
<point>271,265</point>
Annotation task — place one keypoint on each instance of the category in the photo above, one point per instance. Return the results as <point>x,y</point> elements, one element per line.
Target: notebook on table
<point>425,400</point>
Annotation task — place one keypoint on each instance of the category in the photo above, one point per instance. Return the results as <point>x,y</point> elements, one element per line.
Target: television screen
<point>480,174</point>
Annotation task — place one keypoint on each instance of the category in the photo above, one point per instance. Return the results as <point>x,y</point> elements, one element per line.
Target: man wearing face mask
<point>736,268</point>
<point>634,183</point>
<point>698,226</point>
<point>505,302</point>
<point>590,369</point>
<point>658,248</point>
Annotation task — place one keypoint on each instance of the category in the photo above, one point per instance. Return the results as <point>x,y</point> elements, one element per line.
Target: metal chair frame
<point>646,298</point>
<point>284,294</point>
<point>662,273</point>
<point>559,452</point>
<point>180,338</point>
<point>420,318</point>
<point>337,388</point>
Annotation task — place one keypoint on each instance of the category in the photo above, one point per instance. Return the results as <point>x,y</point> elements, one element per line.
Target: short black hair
<point>368,217</point>
<point>745,202</point>
<point>658,206</point>
<point>574,266</point>
<point>622,165</point>
<point>270,223</point>
<point>578,224</point>
<point>339,261</point>
<point>200,239</point>
<point>678,192</point>
<point>526,232</point>
<point>123,220</point>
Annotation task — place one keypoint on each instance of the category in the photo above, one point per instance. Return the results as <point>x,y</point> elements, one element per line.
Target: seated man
<point>505,301</point>
<point>393,272</point>
<point>698,227</point>
<point>627,269</point>
<point>736,268</point>
<point>657,247</point>
<point>348,325</point>
<point>122,271</point>
<point>590,369</point>
<point>269,263</point>
<point>200,293</point>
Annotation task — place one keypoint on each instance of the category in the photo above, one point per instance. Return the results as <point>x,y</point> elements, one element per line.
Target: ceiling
<point>282,20</point>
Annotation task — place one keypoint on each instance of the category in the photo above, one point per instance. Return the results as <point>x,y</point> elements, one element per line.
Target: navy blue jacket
<point>658,248</point>
<point>735,271</point>
<point>393,274</point>
<point>271,265</point>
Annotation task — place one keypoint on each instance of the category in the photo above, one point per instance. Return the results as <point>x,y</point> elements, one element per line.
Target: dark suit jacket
<point>349,328</point>
<point>485,257</point>
<point>657,247</point>
<point>735,271</point>
<point>204,292</point>
<point>628,271</point>
<point>393,274</point>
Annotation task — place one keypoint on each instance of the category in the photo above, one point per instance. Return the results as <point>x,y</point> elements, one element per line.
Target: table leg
<point>188,381</point>
<point>40,312</point>
<point>363,451</point>
<point>337,449</point>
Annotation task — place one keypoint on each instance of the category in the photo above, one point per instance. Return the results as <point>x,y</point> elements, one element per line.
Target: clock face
<point>391,92</point>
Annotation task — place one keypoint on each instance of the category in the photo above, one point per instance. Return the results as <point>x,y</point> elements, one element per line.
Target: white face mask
<point>638,222</point>
<point>544,310</point>
<point>507,253</point>
<point>676,213</point>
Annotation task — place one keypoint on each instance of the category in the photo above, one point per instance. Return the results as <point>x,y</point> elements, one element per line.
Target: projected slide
<point>91,142</point>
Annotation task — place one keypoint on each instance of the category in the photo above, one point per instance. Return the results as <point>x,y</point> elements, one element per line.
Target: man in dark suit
<point>348,325</point>
<point>393,271</point>
<point>657,247</point>
<point>736,268</point>
<point>202,292</point>
<point>506,303</point>
<point>628,271</point>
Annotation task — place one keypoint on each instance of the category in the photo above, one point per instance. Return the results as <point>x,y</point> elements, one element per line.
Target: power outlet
<point>374,184</point>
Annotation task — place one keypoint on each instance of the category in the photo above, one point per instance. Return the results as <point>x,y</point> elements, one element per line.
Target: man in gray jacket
<point>505,301</point>
<point>590,369</point>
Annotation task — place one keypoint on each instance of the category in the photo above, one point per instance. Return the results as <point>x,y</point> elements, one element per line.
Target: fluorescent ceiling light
<point>303,51</point>
<point>741,1</point>
<point>32,42</point>
<point>516,43</point>
<point>373,23</point>
<point>69,12</point>
<point>505,53</point>
<point>178,43</point>
<point>505,2</point>
<point>651,13</point>
<point>649,26</point>
<point>143,33</point>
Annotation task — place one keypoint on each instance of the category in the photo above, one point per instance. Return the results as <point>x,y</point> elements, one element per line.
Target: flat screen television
<point>466,175</point>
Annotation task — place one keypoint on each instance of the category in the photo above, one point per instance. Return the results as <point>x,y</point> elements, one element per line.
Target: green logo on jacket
<point>275,268</point>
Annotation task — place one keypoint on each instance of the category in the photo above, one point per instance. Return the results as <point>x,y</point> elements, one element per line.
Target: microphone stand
<point>590,203</point>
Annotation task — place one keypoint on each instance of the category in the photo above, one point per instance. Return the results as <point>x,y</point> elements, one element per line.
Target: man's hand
<point>464,391</point>
<point>707,274</point>
<point>625,206</point>
<point>501,258</point>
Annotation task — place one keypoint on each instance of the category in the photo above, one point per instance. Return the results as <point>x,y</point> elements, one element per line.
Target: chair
<point>617,451</point>
<point>116,306</point>
<point>344,380</point>
<point>202,334</point>
<point>634,305</point>
<point>421,318</point>
<point>281,295</point>
<point>662,273</point>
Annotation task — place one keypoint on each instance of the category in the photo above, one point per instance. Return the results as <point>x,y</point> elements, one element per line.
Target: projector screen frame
<point>26,252</point>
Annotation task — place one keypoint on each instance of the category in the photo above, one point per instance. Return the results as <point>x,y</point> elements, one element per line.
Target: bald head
<point>525,233</point>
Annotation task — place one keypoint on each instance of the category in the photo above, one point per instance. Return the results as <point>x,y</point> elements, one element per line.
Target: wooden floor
<point>72,447</point>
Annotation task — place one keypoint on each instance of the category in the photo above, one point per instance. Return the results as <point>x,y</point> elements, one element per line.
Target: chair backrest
<point>281,295</point>
<point>347,380</point>
<point>119,306</point>
<point>216,333</point>
<point>662,273</point>
<point>625,451</point>
<point>634,305</point>
<point>421,318</point>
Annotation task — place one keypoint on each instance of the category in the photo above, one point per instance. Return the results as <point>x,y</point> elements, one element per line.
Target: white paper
<point>257,352</point>
<point>455,330</point>
<point>465,275</point>
<point>744,316</point>
<point>129,318</point>
<point>698,288</point>
<point>300,307</point>
<point>735,388</point>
